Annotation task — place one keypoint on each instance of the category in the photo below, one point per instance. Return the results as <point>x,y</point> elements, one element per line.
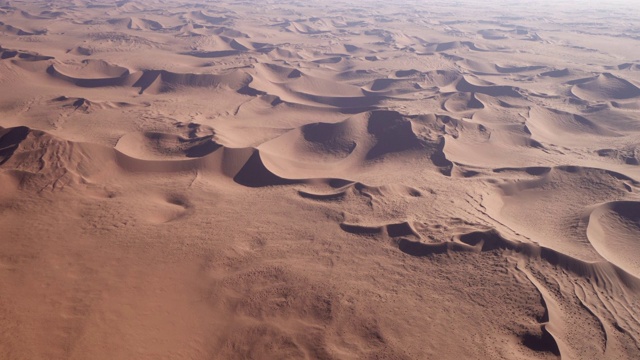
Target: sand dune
<point>335,150</point>
<point>158,81</point>
<point>137,24</point>
<point>213,19</point>
<point>628,66</point>
<point>88,106</point>
<point>39,161</point>
<point>555,126</point>
<point>557,73</point>
<point>80,50</point>
<point>153,145</point>
<point>90,73</point>
<point>613,231</point>
<point>605,86</point>
<point>461,102</point>
<point>469,84</point>
<point>566,181</point>
<point>454,45</point>
<point>227,46</point>
<point>22,55</point>
<point>12,30</point>
<point>319,180</point>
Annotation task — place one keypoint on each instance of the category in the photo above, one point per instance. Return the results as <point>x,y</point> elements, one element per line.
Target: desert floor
<point>319,179</point>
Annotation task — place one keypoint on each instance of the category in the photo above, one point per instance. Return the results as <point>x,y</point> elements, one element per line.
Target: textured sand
<point>319,180</point>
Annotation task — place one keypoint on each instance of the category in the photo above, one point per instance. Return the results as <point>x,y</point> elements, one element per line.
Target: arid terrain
<point>319,179</point>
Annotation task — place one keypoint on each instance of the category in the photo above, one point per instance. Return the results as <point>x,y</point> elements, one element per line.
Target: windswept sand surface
<point>319,180</point>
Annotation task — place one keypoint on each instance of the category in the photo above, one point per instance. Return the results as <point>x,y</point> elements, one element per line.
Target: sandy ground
<point>319,180</point>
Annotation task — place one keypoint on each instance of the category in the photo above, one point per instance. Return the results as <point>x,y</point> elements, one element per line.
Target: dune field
<point>319,179</point>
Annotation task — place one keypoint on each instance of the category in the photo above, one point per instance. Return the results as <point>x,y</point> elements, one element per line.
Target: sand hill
<point>319,180</point>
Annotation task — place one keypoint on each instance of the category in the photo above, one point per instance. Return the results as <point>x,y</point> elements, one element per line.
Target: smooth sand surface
<point>319,179</point>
